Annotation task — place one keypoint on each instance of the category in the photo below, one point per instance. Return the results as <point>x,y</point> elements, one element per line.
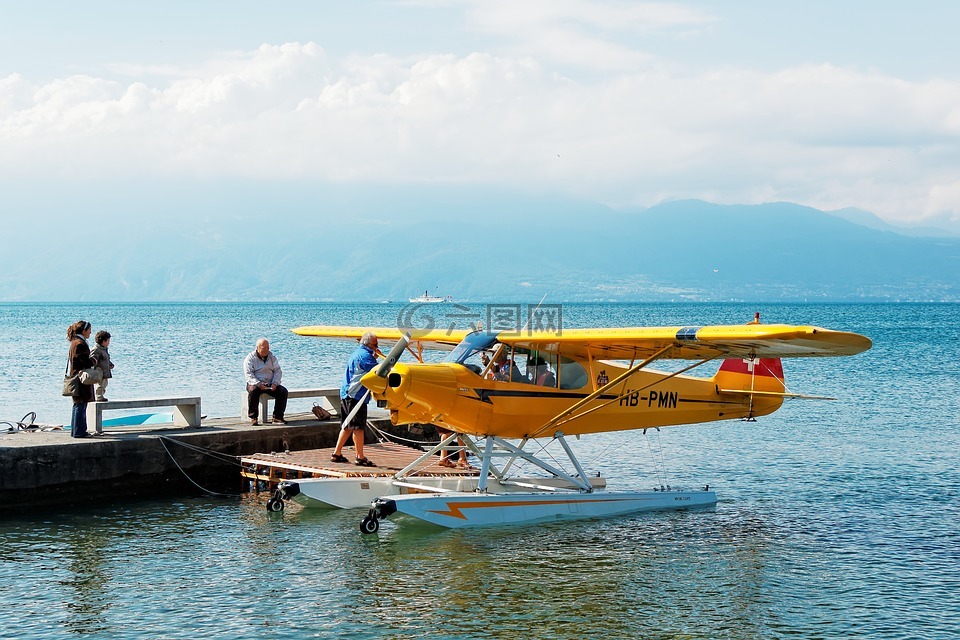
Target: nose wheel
<point>285,491</point>
<point>275,504</point>
<point>370,524</point>
<point>379,509</point>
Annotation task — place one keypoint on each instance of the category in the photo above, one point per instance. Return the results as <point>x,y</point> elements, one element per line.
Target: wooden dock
<point>315,463</point>
<point>47,468</point>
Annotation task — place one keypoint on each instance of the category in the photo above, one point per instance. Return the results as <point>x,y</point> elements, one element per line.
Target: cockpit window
<point>572,375</point>
<point>482,353</point>
<point>551,370</point>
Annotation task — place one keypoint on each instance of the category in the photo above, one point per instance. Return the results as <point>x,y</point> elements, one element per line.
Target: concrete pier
<point>49,468</point>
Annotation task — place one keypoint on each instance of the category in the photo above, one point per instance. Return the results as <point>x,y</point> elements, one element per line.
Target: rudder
<point>759,374</point>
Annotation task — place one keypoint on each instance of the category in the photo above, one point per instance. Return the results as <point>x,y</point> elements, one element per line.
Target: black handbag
<point>71,384</point>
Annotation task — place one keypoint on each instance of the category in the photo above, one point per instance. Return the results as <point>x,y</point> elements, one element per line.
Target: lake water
<point>835,519</point>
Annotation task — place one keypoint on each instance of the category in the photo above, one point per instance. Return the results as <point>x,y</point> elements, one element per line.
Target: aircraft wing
<point>694,343</point>
<point>440,339</point>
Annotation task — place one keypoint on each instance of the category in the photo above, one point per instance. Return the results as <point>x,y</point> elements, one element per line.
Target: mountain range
<point>482,247</point>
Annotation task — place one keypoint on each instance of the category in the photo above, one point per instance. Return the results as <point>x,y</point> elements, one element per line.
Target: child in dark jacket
<point>101,356</point>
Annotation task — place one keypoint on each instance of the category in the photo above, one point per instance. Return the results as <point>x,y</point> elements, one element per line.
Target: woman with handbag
<point>79,359</point>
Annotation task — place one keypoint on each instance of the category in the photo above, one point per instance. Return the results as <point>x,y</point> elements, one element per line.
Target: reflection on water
<point>743,569</point>
<point>834,520</point>
<point>87,580</point>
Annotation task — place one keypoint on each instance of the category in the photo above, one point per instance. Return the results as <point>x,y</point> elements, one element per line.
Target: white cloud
<point>632,131</point>
<point>581,33</point>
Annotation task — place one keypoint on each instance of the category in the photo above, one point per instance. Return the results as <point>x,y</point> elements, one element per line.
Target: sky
<point>629,104</point>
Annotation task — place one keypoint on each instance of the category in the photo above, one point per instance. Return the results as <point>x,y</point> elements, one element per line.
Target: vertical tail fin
<point>758,374</point>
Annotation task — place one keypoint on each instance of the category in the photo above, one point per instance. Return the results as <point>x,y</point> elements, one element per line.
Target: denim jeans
<point>78,421</point>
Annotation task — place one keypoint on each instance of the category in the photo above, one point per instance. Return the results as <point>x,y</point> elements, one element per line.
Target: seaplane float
<point>499,392</point>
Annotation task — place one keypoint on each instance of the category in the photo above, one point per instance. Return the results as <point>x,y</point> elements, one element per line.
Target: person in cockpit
<point>505,369</point>
<point>540,372</point>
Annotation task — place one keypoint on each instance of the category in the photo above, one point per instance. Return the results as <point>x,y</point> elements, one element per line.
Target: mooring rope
<point>421,445</point>
<point>389,437</point>
<point>22,424</point>
<point>223,457</point>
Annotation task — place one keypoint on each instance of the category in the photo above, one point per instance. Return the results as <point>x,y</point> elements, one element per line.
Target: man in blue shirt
<point>352,394</point>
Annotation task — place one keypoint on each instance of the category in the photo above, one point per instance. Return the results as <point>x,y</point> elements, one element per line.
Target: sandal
<point>337,458</point>
<point>363,462</point>
<point>466,465</point>
<point>447,464</point>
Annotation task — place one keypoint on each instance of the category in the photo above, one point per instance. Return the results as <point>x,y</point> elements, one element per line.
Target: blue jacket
<point>361,361</point>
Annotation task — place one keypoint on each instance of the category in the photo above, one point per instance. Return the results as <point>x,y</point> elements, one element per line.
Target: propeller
<point>383,369</point>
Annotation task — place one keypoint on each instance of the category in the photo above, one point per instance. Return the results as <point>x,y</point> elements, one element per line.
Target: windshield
<point>471,345</point>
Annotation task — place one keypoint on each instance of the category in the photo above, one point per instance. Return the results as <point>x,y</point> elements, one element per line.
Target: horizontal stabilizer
<point>776,394</point>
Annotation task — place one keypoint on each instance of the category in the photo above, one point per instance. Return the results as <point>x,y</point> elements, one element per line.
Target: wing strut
<point>418,354</point>
<point>563,419</point>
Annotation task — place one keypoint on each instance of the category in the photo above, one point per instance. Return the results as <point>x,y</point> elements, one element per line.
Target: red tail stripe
<point>771,367</point>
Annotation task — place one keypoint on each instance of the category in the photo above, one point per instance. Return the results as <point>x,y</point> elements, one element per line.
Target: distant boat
<point>426,297</point>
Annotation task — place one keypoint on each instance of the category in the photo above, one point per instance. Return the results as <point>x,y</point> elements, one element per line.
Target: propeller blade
<point>383,369</point>
<point>356,408</point>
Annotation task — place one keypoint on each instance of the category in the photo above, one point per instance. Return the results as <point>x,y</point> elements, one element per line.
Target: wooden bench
<point>329,400</point>
<point>186,410</point>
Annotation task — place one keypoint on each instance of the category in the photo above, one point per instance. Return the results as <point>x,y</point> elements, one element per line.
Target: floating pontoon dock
<point>390,458</point>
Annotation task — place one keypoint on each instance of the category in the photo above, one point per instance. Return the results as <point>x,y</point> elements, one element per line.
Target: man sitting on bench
<point>261,369</point>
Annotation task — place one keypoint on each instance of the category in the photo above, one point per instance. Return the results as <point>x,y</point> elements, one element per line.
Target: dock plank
<point>389,458</point>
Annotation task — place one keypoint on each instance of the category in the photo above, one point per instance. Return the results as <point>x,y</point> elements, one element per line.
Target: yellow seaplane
<point>499,391</point>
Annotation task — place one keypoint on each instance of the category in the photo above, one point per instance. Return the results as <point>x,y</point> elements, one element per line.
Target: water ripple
<point>835,520</point>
